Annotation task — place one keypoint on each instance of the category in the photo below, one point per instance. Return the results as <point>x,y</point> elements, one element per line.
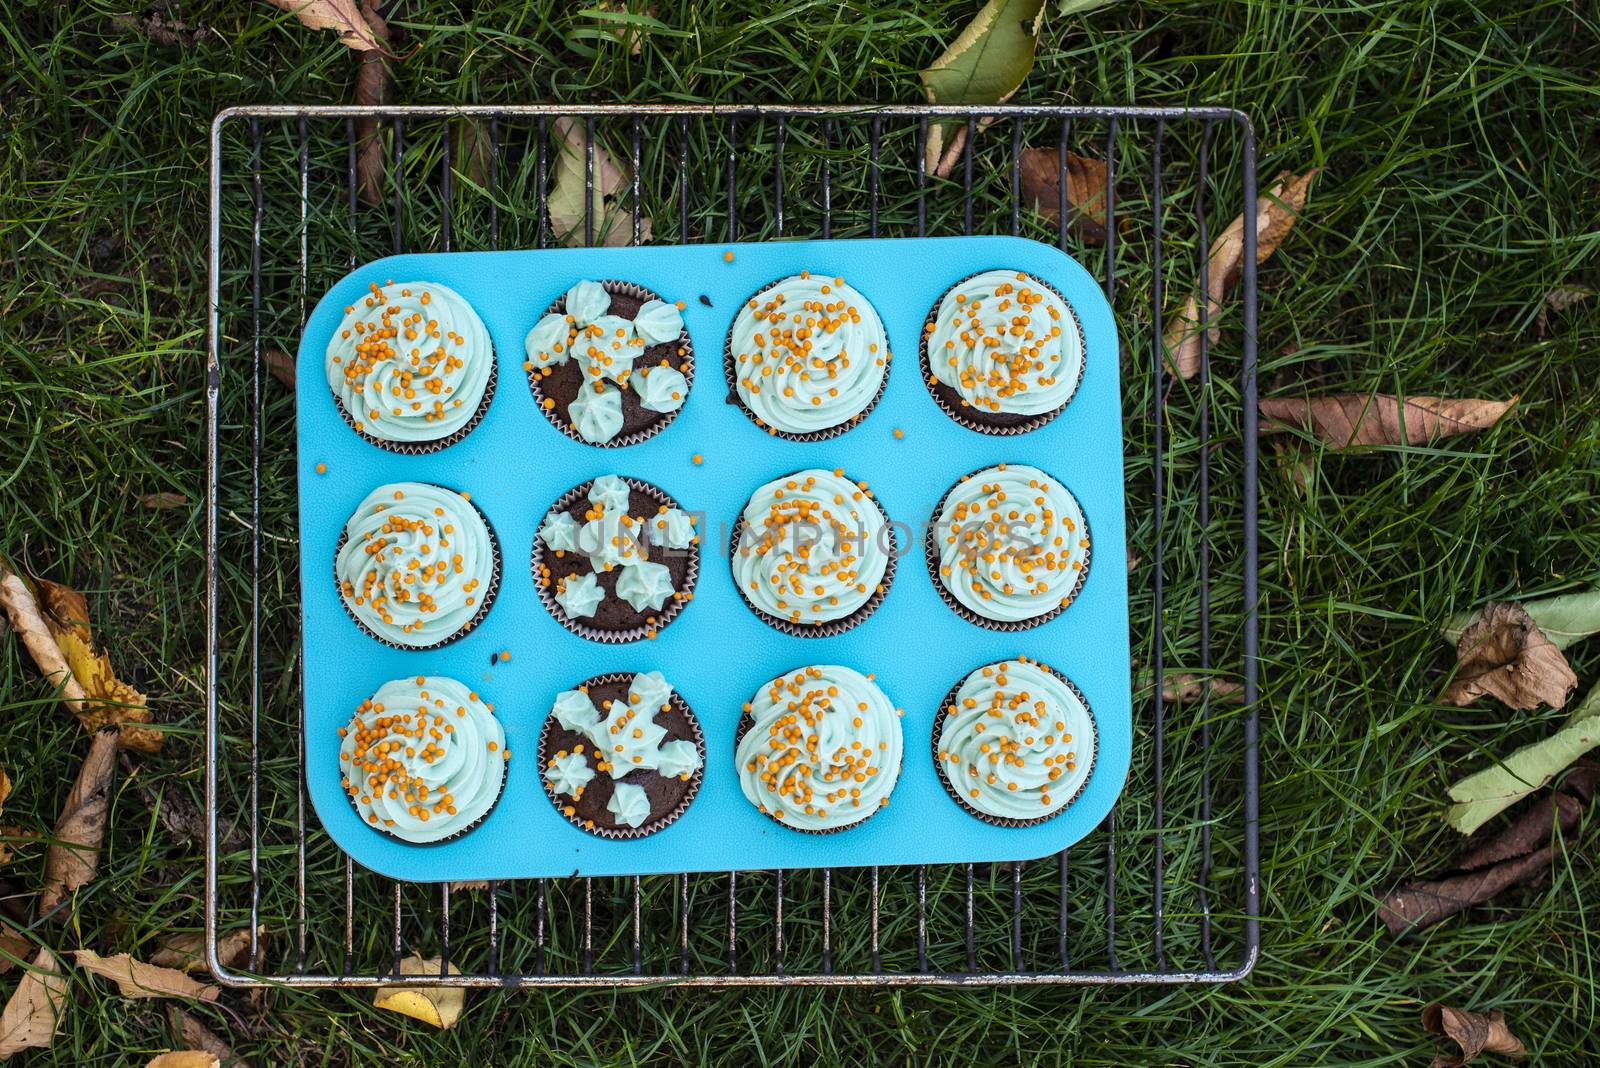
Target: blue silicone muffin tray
<point>716,653</point>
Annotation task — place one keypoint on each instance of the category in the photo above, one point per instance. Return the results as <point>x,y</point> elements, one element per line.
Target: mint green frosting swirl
<point>423,759</point>
<point>416,563</point>
<point>1016,741</point>
<point>812,547</point>
<point>809,353</point>
<point>1012,543</point>
<point>410,362</point>
<point>1006,343</point>
<point>823,748</point>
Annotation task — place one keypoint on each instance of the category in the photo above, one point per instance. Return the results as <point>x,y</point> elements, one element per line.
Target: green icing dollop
<point>1006,343</point>
<point>416,563</point>
<point>410,362</point>
<point>809,353</point>
<point>423,759</point>
<point>813,547</point>
<point>1016,741</point>
<point>823,748</point>
<point>1012,543</point>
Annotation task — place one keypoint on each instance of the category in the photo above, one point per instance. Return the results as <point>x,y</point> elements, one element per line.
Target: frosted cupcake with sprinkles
<point>1014,743</point>
<point>610,363</point>
<point>1009,547</point>
<point>1002,352</point>
<point>411,367</point>
<point>807,357</point>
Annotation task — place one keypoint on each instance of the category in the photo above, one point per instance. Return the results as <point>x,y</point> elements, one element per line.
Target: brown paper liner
<point>560,421</point>
<point>746,721</point>
<point>668,611</point>
<point>972,418</point>
<point>649,827</point>
<point>931,552</point>
<point>824,434</point>
<point>423,448</point>
<point>1010,821</point>
<point>466,628</point>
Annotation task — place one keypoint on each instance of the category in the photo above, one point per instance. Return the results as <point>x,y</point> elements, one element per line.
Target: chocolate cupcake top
<point>812,547</point>
<point>416,563</point>
<point>423,759</point>
<point>410,362</point>
<point>613,353</point>
<point>1016,741</point>
<point>808,353</point>
<point>1012,543</point>
<point>1005,343</point>
<point>822,748</point>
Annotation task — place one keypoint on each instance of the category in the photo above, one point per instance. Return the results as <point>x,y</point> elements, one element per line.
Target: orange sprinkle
<point>322,469</point>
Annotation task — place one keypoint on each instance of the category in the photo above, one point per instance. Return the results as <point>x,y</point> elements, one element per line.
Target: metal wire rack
<point>1167,890</point>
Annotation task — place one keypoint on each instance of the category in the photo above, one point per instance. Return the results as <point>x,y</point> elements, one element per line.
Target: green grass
<point>1462,182</point>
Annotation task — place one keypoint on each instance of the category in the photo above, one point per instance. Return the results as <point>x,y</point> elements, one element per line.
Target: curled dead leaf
<point>136,979</point>
<point>186,951</point>
<point>1506,655</point>
<point>27,620</point>
<point>196,1035</point>
<point>107,700</point>
<point>1348,420</point>
<point>374,87</point>
<point>437,1005</point>
<point>162,29</point>
<point>1276,212</point>
<point>164,500</point>
<point>14,947</point>
<point>609,219</point>
<point>1041,172</point>
<point>1473,1032</point>
<point>73,856</point>
<point>1188,688</point>
<point>280,365</point>
<point>185,1058</point>
<point>352,21</point>
<point>31,1017</point>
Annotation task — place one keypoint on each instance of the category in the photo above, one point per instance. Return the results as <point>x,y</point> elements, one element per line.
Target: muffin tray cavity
<point>717,652</point>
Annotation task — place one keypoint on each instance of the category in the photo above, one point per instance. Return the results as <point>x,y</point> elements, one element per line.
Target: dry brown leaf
<point>5,850</point>
<point>107,700</point>
<point>610,216</point>
<point>31,1016</point>
<point>351,20</point>
<point>136,979</point>
<point>1189,688</point>
<point>186,951</point>
<point>74,853</point>
<point>1276,213</point>
<point>23,612</point>
<point>1474,1032</point>
<point>437,1005</point>
<point>14,947</point>
<point>469,884</point>
<point>1506,655</point>
<point>374,86</point>
<point>1347,420</point>
<point>169,32</point>
<point>1041,171</point>
<point>185,1058</point>
<point>164,500</point>
<point>628,33</point>
<point>280,365</point>
<point>197,1035</point>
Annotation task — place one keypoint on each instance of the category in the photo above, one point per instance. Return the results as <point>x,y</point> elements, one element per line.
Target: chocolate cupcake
<point>622,755</point>
<point>1014,743</point>
<point>411,367</point>
<point>1008,548</point>
<point>818,749</point>
<point>610,363</point>
<point>1002,352</point>
<point>807,357</point>
<point>616,559</point>
<point>417,566</point>
<point>812,553</point>
<point>423,760</point>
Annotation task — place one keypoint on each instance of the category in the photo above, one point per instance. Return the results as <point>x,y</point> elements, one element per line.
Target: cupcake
<point>610,363</point>
<point>1002,352</point>
<point>807,357</point>
<point>1008,548</point>
<point>813,554</point>
<point>417,566</point>
<point>411,367</point>
<point>819,749</point>
<point>423,759</point>
<point>616,559</point>
<point>1015,743</point>
<point>621,756</point>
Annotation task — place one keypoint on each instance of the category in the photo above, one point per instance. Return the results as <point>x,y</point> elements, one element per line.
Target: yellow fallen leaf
<point>136,979</point>
<point>184,1058</point>
<point>30,1018</point>
<point>23,612</point>
<point>437,1005</point>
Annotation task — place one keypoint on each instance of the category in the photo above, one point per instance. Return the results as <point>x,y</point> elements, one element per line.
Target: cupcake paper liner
<point>668,611</point>
<point>825,434</point>
<point>423,448</point>
<point>1010,821</point>
<point>746,721</point>
<point>661,823</point>
<point>467,628</point>
<point>931,552</point>
<point>686,362</point>
<point>963,416</point>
